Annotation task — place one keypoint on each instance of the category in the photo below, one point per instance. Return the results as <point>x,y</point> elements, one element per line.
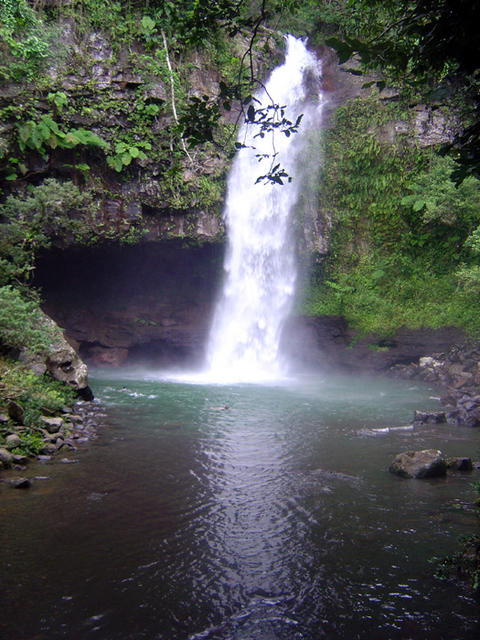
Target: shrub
<point>22,324</point>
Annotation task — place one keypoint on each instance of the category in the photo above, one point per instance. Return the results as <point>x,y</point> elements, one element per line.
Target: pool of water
<point>252,512</point>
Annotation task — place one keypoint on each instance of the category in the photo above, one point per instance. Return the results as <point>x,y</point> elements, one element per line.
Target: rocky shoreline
<point>61,435</point>
<point>457,374</point>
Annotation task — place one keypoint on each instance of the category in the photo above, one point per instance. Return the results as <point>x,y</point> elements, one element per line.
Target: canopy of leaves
<point>429,44</point>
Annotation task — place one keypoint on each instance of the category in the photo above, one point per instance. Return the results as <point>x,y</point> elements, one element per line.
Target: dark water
<point>273,519</point>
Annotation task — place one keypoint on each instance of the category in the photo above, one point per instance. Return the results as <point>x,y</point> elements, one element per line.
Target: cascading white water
<point>260,263</point>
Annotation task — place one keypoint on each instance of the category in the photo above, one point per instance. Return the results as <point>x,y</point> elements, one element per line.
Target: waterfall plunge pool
<point>273,519</point>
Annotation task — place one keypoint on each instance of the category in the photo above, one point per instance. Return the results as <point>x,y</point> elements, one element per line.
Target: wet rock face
<point>62,362</point>
<point>121,305</point>
<point>328,341</point>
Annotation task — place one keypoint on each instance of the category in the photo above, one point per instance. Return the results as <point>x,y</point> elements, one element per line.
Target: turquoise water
<point>241,512</point>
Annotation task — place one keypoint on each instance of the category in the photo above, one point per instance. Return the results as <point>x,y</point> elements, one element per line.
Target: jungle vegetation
<point>405,237</point>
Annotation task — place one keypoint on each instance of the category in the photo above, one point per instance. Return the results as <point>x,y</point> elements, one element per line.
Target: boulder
<point>62,363</point>
<point>21,483</point>
<point>52,425</point>
<point>73,417</point>
<point>44,458</point>
<point>429,417</point>
<point>470,420</point>
<point>460,464</point>
<point>15,411</point>
<point>428,361</point>
<point>5,457</point>
<point>48,449</point>
<point>19,459</point>
<point>13,441</point>
<point>428,463</point>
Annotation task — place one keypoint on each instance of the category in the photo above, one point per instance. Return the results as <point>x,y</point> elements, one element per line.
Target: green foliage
<point>396,259</point>
<point>37,395</point>
<point>468,278</point>
<point>47,133</point>
<point>463,564</point>
<point>33,220</point>
<point>473,242</point>
<point>59,99</point>
<point>23,324</point>
<point>430,45</point>
<point>125,153</point>
<point>43,135</point>
<point>199,120</point>
<point>184,192</point>
<point>316,19</point>
<point>149,30</point>
<point>438,200</point>
<point>379,296</point>
<point>31,444</point>
<point>114,18</point>
<point>25,41</point>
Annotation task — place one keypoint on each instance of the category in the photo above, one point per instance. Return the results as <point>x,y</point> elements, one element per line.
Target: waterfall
<point>260,265</point>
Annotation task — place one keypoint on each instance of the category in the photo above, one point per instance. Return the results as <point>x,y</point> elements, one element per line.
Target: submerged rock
<point>44,458</point>
<point>21,483</point>
<point>428,463</point>
<point>460,464</point>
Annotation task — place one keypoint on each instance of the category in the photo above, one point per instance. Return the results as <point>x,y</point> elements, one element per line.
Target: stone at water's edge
<point>429,463</point>
<point>457,373</point>
<point>429,417</point>
<point>52,425</point>
<point>21,483</point>
<point>12,441</point>
<point>5,457</point>
<point>460,464</point>
<point>62,363</point>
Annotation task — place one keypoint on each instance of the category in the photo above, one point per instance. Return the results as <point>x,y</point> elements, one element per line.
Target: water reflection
<point>251,527</point>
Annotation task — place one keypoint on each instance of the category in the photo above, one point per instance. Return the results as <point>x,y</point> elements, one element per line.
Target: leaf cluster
<point>437,199</point>
<point>124,153</point>
<point>24,41</point>
<point>23,324</point>
<point>51,211</point>
<point>47,133</point>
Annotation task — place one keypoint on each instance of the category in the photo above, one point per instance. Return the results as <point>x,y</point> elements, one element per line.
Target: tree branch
<point>172,88</point>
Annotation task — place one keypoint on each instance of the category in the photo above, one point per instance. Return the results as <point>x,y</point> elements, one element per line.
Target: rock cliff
<point>119,303</point>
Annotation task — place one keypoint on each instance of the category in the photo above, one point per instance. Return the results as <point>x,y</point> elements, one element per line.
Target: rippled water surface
<point>274,518</point>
